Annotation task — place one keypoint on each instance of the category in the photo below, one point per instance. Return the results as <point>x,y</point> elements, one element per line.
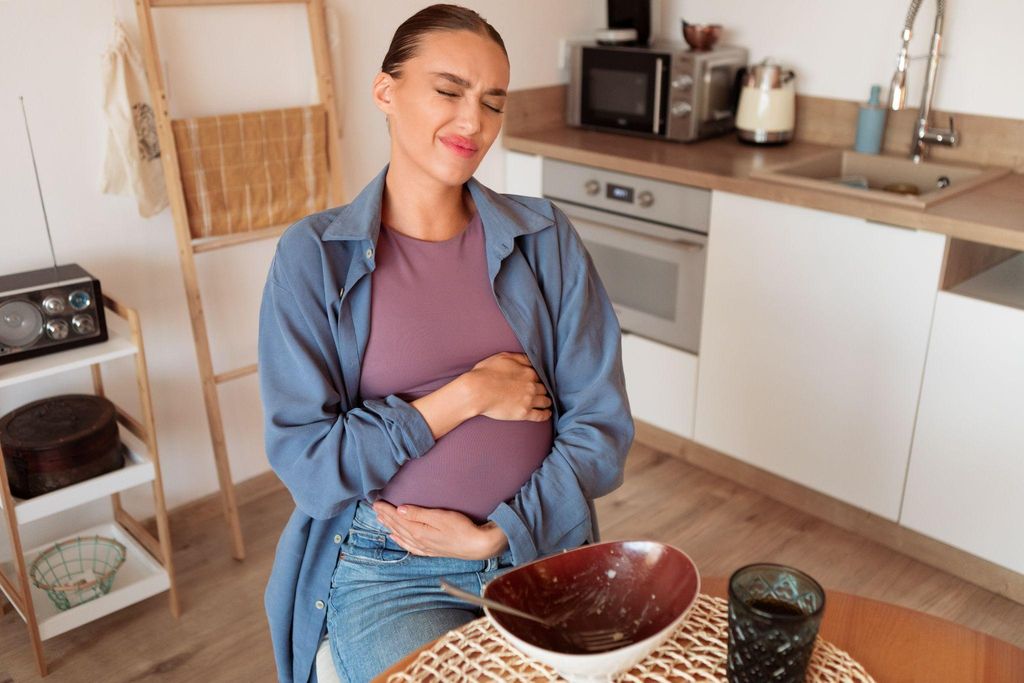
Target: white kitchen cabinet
<point>661,382</point>
<point>523,173</point>
<point>966,476</point>
<point>813,345</point>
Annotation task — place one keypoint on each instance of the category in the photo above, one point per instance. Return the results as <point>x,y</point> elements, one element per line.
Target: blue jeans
<point>385,602</point>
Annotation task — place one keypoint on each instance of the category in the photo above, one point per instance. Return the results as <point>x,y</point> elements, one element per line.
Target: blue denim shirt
<point>331,449</point>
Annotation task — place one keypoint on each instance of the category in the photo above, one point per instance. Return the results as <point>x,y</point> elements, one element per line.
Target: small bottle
<point>871,124</point>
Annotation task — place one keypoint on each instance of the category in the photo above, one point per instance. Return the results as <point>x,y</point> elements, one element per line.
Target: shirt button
<point>341,292</point>
<point>337,538</point>
<point>369,253</point>
<point>319,604</point>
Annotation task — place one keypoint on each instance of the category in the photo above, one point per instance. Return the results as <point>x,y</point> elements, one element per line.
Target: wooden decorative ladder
<point>189,246</point>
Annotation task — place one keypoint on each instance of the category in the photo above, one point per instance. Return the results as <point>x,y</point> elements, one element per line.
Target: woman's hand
<point>503,387</point>
<point>506,387</point>
<point>440,533</point>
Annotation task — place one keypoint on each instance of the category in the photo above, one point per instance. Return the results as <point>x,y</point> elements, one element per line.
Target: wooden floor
<point>222,634</point>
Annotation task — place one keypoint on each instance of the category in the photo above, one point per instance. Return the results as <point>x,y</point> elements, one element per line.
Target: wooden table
<point>894,644</point>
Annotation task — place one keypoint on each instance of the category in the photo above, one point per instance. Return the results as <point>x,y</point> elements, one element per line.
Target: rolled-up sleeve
<point>594,430</point>
<point>325,455</point>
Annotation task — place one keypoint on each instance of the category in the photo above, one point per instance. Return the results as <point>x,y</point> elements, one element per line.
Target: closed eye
<point>452,94</point>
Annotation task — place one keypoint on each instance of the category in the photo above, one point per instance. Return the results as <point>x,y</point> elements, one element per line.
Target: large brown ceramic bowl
<point>639,590</point>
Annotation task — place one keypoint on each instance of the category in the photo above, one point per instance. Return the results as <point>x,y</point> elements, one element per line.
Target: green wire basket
<point>77,570</point>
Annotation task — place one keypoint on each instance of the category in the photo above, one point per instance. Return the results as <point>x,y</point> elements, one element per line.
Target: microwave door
<point>624,89</point>
<point>718,83</point>
<point>656,286</point>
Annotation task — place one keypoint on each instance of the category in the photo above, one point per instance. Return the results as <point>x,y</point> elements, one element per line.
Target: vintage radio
<point>48,310</point>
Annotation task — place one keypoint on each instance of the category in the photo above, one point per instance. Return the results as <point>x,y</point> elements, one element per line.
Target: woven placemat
<point>695,653</point>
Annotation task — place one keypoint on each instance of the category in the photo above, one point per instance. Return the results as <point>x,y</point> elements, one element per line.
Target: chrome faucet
<point>923,133</point>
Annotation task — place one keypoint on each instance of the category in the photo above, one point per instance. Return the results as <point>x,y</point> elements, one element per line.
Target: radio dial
<point>53,304</point>
<point>83,324</point>
<point>21,323</point>
<point>682,82</point>
<point>79,299</point>
<point>592,187</point>
<point>57,329</point>
<point>645,198</point>
<point>681,108</point>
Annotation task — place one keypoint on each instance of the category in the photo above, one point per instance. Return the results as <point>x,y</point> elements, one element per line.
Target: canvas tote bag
<point>132,163</point>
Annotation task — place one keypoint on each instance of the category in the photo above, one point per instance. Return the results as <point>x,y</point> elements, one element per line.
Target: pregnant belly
<point>474,467</point>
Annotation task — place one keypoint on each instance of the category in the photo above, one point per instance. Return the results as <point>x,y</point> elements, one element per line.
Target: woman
<point>463,418</point>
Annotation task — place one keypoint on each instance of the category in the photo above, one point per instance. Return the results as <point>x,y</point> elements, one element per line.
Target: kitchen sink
<point>895,180</point>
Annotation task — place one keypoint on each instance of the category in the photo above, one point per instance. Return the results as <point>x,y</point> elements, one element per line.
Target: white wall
<point>242,58</point>
<point>838,49</point>
<point>219,59</point>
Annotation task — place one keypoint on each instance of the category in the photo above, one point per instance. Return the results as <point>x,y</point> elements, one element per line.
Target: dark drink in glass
<point>774,614</point>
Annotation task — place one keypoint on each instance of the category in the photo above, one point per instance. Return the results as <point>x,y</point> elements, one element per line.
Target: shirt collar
<point>502,217</point>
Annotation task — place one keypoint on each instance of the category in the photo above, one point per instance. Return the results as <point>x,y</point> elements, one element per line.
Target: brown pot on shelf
<point>58,441</point>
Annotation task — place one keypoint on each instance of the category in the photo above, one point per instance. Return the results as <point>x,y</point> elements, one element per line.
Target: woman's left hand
<point>440,533</point>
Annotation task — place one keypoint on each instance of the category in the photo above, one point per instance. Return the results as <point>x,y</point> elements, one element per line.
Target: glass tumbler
<point>774,614</point>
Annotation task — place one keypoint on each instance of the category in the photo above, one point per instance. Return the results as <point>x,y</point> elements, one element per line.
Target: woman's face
<point>445,109</point>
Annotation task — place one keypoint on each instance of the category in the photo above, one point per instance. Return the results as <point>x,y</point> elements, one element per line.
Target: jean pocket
<point>371,548</point>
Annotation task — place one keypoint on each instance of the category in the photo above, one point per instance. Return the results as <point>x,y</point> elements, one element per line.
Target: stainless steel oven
<point>648,241</point>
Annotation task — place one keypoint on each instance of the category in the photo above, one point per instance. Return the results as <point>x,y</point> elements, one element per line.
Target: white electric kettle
<point>767,108</point>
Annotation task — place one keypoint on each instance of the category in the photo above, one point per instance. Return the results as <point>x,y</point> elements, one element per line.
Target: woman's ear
<point>383,91</point>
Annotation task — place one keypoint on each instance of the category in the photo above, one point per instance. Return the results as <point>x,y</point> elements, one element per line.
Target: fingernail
<point>402,511</point>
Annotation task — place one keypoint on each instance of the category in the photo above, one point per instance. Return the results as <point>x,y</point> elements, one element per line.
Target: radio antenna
<point>53,254</point>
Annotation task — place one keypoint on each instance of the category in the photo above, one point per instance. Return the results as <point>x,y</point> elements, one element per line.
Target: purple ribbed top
<point>433,317</point>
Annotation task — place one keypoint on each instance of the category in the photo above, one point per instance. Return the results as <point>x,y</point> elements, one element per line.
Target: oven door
<point>625,89</point>
<point>654,274</point>
<point>717,90</point>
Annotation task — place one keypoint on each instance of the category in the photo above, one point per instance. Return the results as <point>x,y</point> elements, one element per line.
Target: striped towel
<point>243,172</point>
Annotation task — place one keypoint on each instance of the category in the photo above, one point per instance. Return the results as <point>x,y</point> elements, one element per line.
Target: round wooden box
<point>59,441</point>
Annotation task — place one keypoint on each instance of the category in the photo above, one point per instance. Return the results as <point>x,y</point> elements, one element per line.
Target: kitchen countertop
<point>992,214</point>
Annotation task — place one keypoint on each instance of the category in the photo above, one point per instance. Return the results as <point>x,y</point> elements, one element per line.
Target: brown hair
<point>433,18</point>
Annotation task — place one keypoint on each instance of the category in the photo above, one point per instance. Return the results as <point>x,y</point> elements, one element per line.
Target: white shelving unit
<point>141,576</point>
<point>117,346</point>
<point>147,569</point>
<point>138,469</point>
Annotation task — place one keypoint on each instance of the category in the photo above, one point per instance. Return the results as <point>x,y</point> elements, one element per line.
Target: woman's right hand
<point>506,387</point>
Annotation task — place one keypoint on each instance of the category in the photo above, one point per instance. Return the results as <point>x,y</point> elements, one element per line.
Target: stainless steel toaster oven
<point>665,91</point>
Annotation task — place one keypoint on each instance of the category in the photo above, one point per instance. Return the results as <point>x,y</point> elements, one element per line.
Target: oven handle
<point>685,245</point>
<point>688,241</point>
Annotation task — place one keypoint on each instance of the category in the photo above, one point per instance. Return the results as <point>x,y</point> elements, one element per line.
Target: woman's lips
<point>461,146</point>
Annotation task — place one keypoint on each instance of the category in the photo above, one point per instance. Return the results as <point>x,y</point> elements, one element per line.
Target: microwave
<point>666,91</point>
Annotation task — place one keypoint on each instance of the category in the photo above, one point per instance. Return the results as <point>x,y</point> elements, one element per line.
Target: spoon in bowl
<point>493,604</point>
<point>588,641</point>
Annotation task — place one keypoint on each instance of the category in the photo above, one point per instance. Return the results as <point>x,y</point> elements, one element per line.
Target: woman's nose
<point>470,116</point>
